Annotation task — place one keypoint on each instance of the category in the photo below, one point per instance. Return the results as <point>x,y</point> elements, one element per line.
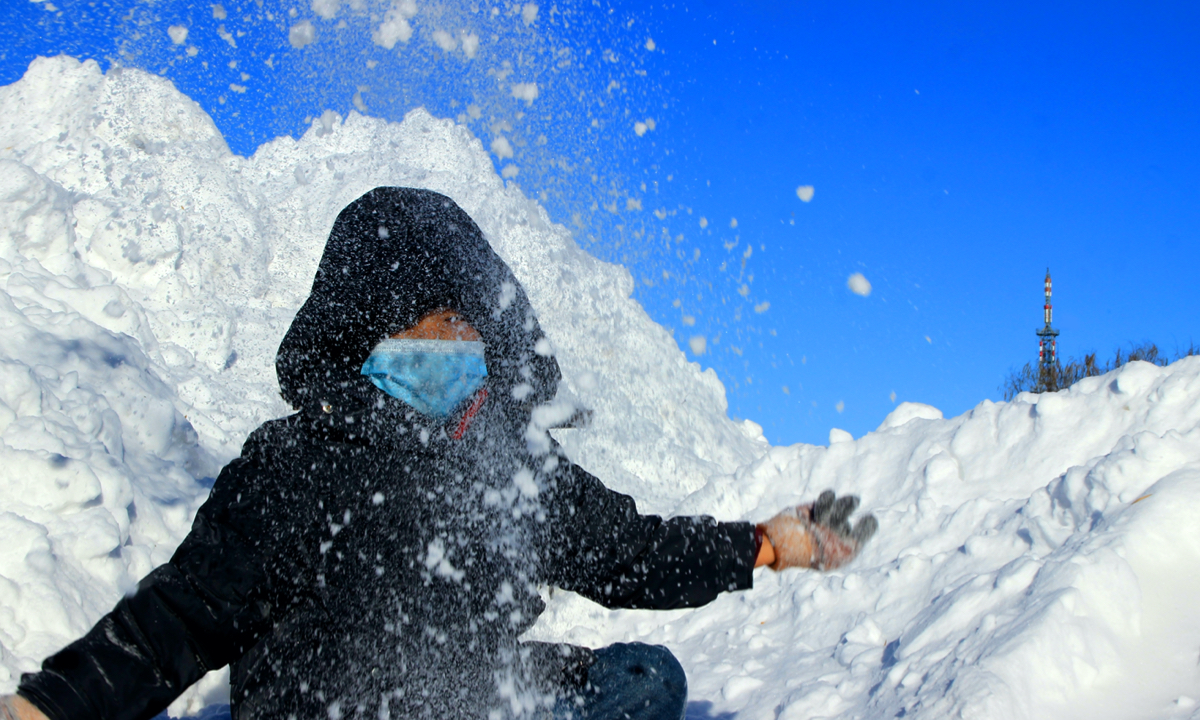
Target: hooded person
<point>380,551</point>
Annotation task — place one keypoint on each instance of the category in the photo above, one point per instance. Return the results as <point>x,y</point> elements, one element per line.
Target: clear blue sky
<point>956,150</point>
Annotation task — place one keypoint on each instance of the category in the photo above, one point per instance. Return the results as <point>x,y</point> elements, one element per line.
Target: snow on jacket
<point>359,558</point>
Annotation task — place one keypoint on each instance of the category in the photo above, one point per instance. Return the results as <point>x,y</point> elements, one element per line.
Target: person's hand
<point>817,536</point>
<point>15,707</point>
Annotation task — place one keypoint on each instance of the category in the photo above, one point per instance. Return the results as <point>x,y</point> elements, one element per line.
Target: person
<point>378,553</point>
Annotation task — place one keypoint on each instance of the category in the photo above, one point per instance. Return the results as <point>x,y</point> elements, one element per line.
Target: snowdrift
<point>1035,559</point>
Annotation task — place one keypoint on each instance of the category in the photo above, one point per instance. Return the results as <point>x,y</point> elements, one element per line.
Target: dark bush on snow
<point>1062,376</point>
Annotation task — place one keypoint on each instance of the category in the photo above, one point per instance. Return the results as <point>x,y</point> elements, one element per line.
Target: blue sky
<point>956,150</point>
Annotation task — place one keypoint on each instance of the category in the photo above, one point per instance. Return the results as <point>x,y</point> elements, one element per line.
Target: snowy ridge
<point>1035,558</point>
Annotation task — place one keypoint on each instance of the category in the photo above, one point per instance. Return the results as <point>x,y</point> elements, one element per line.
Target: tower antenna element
<point>1047,348</point>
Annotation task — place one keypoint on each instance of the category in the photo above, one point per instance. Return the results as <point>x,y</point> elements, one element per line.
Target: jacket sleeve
<point>200,611</point>
<point>600,547</point>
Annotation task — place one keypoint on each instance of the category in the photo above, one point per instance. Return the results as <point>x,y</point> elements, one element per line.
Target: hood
<point>393,255</point>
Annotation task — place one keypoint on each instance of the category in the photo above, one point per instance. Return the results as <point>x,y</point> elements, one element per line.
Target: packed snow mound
<point>1035,559</point>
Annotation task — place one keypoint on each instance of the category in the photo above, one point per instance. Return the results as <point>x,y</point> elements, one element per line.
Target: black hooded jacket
<point>361,558</point>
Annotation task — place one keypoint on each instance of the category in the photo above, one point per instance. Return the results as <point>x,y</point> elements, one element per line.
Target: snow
<point>299,35</point>
<point>529,13</point>
<point>395,27</point>
<point>1035,559</point>
<point>444,40</point>
<point>525,91</point>
<point>640,128</point>
<point>470,44</point>
<point>859,284</point>
<point>502,147</point>
<point>327,9</point>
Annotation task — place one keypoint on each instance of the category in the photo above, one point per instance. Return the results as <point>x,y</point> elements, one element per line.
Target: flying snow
<point>395,27</point>
<point>529,13</point>
<point>858,284</point>
<point>302,34</point>
<point>470,44</point>
<point>502,147</point>
<point>445,41</point>
<point>326,9</point>
<point>525,91</point>
<point>642,126</point>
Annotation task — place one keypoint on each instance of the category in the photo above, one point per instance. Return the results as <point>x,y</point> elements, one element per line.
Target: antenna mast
<point>1047,349</point>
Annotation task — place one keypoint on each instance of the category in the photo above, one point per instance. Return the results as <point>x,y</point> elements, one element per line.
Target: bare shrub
<point>1060,376</point>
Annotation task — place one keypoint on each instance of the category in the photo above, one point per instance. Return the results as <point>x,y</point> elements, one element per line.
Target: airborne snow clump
<point>858,284</point>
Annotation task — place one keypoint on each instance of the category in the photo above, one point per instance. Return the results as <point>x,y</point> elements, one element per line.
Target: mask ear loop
<point>469,415</point>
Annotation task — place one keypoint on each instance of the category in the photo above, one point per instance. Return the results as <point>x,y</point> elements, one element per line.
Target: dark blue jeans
<point>630,681</point>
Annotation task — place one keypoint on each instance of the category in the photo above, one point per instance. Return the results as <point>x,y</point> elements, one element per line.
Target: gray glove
<point>818,536</point>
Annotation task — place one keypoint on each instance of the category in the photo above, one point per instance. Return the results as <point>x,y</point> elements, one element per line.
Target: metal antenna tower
<point>1047,349</point>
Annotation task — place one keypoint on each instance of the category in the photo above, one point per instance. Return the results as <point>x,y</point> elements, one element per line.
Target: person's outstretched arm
<point>203,609</point>
<point>600,547</point>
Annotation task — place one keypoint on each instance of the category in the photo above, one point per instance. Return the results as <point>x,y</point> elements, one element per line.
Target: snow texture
<point>1035,559</point>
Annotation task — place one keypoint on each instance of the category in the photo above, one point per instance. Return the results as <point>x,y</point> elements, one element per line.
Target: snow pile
<point>1035,558</point>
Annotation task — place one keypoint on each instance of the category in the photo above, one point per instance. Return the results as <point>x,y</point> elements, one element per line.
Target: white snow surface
<point>1035,559</point>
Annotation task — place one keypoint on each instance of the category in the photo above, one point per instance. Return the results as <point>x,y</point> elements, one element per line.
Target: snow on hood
<point>1035,559</point>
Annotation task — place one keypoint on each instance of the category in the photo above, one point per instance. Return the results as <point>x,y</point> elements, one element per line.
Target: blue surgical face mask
<point>433,376</point>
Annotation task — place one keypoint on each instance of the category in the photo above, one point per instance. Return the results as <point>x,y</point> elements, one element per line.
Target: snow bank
<point>1035,558</point>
